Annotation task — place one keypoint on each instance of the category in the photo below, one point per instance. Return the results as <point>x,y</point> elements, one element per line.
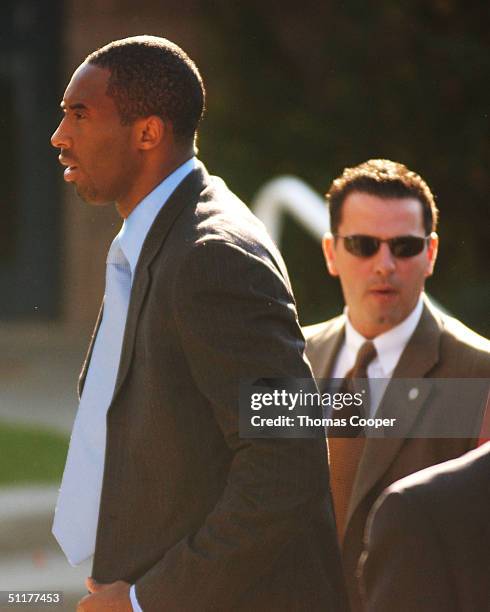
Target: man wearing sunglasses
<point>383,246</point>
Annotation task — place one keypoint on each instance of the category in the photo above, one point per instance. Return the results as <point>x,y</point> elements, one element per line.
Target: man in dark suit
<point>433,528</point>
<point>178,511</point>
<point>374,208</point>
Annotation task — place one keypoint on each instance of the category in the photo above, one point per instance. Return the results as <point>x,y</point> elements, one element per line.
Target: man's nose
<point>60,138</point>
<point>385,262</point>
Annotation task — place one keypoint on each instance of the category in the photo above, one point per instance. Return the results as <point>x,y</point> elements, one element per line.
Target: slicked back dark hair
<point>153,76</point>
<point>385,179</point>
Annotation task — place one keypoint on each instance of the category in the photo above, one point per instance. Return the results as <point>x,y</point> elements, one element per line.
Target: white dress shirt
<point>389,347</point>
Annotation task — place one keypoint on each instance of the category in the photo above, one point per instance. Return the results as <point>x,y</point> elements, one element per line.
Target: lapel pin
<point>413,393</point>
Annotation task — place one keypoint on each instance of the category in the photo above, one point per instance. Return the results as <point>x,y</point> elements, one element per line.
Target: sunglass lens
<point>361,246</point>
<point>406,246</point>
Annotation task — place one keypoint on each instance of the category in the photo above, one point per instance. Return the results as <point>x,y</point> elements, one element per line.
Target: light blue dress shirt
<point>133,234</point>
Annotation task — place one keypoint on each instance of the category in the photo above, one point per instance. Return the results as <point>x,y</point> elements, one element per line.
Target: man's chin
<point>388,318</point>
<point>380,320</point>
<point>91,196</point>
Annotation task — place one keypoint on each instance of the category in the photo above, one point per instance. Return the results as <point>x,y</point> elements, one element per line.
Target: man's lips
<point>71,168</point>
<point>383,291</point>
<point>69,173</point>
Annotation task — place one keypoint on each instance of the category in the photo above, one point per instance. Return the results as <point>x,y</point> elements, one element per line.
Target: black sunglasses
<point>400,246</point>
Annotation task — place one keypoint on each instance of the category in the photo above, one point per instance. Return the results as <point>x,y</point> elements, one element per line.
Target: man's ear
<point>149,132</point>
<point>328,247</point>
<point>432,250</point>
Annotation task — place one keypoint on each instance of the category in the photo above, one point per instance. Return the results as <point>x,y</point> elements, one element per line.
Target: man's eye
<point>78,115</point>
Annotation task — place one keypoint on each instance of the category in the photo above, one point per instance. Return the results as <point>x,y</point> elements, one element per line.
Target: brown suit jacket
<point>195,516</point>
<point>440,347</point>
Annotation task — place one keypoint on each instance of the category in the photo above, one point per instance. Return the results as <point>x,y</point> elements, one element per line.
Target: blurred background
<point>296,88</point>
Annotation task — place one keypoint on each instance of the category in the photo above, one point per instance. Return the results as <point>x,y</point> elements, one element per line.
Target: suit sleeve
<point>403,567</point>
<point>237,321</point>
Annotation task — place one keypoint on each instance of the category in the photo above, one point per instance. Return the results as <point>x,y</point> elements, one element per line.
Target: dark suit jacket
<point>440,347</point>
<point>429,540</point>
<point>198,518</point>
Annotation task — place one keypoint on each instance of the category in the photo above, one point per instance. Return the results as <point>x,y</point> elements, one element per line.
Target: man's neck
<point>389,344</point>
<point>370,332</point>
<point>155,172</point>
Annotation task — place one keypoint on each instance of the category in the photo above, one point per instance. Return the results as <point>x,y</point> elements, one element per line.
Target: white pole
<point>288,194</point>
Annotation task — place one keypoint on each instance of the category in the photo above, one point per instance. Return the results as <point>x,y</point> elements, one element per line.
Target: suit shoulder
<point>455,479</point>
<point>221,216</point>
<point>322,330</point>
<point>465,342</point>
<point>464,335</point>
<point>218,218</point>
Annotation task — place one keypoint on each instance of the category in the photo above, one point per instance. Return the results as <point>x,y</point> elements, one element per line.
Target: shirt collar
<point>136,227</point>
<point>390,344</point>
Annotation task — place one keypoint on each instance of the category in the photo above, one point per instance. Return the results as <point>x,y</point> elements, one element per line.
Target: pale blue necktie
<point>77,511</point>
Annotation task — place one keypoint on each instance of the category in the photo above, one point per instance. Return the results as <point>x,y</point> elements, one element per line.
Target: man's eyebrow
<point>77,106</point>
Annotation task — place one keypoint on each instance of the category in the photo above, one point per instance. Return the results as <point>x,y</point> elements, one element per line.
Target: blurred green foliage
<point>309,88</point>
<point>30,455</point>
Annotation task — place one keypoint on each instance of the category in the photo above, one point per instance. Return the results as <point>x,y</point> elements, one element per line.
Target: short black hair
<point>385,179</point>
<point>153,76</point>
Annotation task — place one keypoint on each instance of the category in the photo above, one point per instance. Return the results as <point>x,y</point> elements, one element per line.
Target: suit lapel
<point>323,349</point>
<point>186,193</point>
<point>88,356</point>
<point>419,357</point>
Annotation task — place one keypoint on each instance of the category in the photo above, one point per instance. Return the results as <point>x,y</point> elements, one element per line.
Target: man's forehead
<point>87,86</point>
<point>366,208</point>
